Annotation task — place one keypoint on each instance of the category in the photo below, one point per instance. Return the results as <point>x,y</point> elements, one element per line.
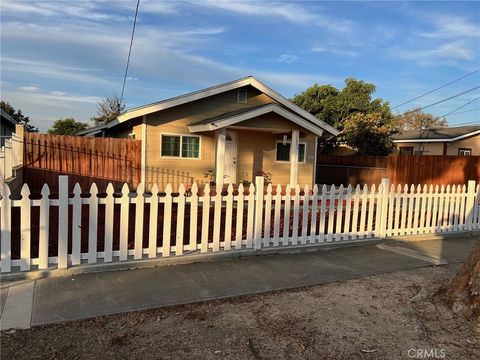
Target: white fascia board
<point>217,90</point>
<point>287,103</point>
<point>422,140</point>
<point>182,100</point>
<point>254,113</point>
<point>473,133</point>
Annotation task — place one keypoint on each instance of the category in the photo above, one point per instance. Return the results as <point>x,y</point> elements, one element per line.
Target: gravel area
<point>389,316</point>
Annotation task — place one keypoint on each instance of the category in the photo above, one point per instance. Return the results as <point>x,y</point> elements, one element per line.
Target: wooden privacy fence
<point>84,159</point>
<point>119,227</point>
<point>400,169</point>
<point>350,169</point>
<point>433,169</point>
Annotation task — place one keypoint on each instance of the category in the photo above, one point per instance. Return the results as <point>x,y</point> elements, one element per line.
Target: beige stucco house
<point>460,140</point>
<point>233,131</point>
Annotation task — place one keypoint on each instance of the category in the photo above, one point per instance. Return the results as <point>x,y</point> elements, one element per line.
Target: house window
<point>406,150</point>
<point>464,152</point>
<point>242,95</point>
<point>184,146</point>
<point>283,151</point>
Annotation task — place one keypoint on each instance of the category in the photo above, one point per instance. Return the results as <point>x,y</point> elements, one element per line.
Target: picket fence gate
<point>229,221</point>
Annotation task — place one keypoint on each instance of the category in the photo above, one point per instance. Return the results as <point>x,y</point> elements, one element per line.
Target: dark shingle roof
<point>438,134</point>
<point>7,117</point>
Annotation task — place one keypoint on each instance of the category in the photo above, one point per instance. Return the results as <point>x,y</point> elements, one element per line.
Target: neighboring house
<point>460,140</point>
<point>7,126</point>
<point>234,130</point>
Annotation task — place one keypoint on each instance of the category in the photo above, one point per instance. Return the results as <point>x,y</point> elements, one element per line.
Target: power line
<point>129,50</point>
<point>466,111</point>
<point>469,123</point>
<point>438,88</point>
<point>438,102</point>
<point>460,107</point>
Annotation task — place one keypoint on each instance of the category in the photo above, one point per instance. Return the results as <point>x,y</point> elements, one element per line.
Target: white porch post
<point>294,158</point>
<point>143,170</point>
<point>220,156</point>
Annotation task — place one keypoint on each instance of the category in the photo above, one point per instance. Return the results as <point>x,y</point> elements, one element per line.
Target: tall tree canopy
<point>67,126</point>
<point>344,108</point>
<point>418,120</point>
<point>18,116</point>
<point>108,109</point>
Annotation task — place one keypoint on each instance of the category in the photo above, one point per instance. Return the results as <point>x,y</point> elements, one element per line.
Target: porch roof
<point>234,117</point>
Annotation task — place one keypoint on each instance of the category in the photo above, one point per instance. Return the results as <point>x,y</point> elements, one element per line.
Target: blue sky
<point>58,58</point>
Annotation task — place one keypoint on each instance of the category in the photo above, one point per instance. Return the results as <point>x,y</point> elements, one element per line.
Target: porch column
<point>294,158</point>
<point>220,156</point>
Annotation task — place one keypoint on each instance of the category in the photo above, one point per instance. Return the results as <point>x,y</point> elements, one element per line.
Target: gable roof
<point>237,116</point>
<point>436,135</point>
<point>214,90</point>
<point>91,131</point>
<point>7,117</point>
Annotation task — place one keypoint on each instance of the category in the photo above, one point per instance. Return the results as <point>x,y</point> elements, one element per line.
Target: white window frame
<point>289,142</point>
<point>131,135</point>
<point>238,96</point>
<point>181,142</point>
<point>464,150</point>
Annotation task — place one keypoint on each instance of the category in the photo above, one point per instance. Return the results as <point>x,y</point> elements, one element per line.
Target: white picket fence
<point>10,156</point>
<point>191,222</point>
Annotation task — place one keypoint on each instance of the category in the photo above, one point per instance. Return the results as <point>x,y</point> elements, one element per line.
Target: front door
<point>230,165</point>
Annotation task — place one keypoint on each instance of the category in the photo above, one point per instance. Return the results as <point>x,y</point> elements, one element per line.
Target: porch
<point>267,141</point>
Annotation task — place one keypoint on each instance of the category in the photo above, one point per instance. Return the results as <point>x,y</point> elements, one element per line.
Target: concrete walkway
<point>50,300</point>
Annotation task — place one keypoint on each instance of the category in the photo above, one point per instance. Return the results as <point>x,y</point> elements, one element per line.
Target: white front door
<point>230,164</point>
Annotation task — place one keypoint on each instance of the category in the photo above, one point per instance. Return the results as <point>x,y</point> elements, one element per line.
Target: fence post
<point>470,204</point>
<point>62,221</point>
<point>383,208</point>
<point>6,228</point>
<point>8,173</point>
<point>259,181</point>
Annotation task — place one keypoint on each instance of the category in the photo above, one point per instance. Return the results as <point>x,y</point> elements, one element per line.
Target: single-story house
<point>7,126</point>
<point>460,140</point>
<point>232,131</point>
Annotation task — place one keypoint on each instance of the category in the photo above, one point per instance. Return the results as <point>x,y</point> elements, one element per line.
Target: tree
<point>108,109</point>
<point>341,107</point>
<point>368,134</point>
<point>418,120</point>
<point>67,126</point>
<point>18,116</point>
<point>464,289</point>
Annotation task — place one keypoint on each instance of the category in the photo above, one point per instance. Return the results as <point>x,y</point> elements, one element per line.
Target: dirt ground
<point>378,317</point>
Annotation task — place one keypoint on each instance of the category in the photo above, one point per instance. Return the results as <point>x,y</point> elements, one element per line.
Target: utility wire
<point>466,111</point>
<point>469,123</point>
<point>460,107</point>
<point>129,51</point>
<point>438,88</point>
<point>438,102</point>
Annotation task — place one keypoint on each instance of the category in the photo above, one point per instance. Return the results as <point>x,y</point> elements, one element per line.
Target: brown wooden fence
<point>400,169</point>
<point>433,169</point>
<point>84,159</point>
<point>350,169</point>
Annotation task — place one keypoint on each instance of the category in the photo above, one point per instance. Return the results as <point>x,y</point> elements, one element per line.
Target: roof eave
<point>133,113</point>
<point>231,120</point>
